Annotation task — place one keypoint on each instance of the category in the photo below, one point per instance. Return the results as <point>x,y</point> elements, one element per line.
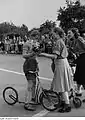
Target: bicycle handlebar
<point>35,72</point>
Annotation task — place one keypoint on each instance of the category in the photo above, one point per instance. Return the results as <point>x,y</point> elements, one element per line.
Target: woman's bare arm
<point>48,55</point>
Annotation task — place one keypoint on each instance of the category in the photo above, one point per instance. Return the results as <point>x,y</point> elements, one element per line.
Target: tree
<point>10,28</point>
<point>73,15</point>
<point>24,30</point>
<point>46,27</point>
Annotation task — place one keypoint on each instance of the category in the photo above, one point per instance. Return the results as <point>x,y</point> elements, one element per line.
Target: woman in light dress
<point>62,80</point>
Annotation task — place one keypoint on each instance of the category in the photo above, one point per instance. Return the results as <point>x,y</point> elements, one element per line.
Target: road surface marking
<point>5,70</point>
<point>41,113</point>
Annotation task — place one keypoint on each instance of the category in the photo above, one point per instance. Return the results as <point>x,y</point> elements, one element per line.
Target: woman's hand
<point>55,56</point>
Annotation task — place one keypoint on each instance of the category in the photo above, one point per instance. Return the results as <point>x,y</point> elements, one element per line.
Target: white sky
<point>29,12</point>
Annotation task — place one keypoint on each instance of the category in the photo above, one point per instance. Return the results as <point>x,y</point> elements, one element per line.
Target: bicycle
<point>46,98</point>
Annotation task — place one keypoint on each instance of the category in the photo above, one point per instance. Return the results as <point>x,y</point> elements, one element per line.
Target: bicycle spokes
<point>51,98</point>
<point>12,97</point>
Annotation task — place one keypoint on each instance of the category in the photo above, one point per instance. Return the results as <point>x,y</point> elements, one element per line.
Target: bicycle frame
<point>43,91</point>
<point>38,86</point>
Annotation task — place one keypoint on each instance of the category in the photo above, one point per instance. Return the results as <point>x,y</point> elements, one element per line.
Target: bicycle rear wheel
<point>10,95</point>
<point>50,100</point>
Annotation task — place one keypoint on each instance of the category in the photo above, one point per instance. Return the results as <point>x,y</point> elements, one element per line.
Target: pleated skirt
<point>62,80</point>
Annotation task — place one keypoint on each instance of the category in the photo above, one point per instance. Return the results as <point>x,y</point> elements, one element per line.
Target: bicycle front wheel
<point>77,102</point>
<point>10,95</point>
<point>50,100</point>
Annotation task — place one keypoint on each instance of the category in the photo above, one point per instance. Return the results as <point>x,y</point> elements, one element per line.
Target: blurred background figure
<point>77,45</point>
<point>7,45</point>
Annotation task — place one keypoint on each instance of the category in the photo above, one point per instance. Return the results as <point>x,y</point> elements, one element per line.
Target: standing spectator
<point>62,80</point>
<point>78,47</point>
<point>22,43</point>
<point>12,45</point>
<point>16,45</point>
<point>42,43</point>
<point>2,46</point>
<point>7,45</point>
<point>20,46</point>
<point>46,43</point>
<point>49,47</point>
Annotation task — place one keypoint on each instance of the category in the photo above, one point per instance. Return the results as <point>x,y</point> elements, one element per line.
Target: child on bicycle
<point>30,64</point>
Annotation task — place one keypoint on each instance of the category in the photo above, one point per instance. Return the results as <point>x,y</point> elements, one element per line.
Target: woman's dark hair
<point>60,31</point>
<point>75,31</point>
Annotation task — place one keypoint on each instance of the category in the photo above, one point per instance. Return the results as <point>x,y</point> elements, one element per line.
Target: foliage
<point>10,28</point>
<point>34,32</point>
<point>23,30</point>
<point>73,15</point>
<point>46,27</point>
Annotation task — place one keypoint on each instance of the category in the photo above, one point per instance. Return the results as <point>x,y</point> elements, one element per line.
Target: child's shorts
<point>31,76</point>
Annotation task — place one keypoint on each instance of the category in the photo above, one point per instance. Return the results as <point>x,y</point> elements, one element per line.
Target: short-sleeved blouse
<point>79,46</point>
<point>60,49</point>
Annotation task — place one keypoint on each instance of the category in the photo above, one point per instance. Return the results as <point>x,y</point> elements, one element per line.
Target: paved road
<point>11,74</point>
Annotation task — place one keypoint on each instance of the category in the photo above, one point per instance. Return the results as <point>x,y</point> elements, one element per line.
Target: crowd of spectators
<point>14,45</point>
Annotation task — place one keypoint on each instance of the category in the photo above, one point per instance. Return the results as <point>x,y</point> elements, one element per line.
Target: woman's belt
<point>60,57</point>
